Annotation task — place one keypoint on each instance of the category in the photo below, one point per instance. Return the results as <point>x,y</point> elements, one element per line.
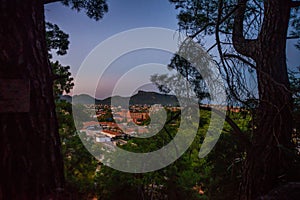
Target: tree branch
<point>219,47</point>
<point>220,9</point>
<point>240,58</point>
<point>293,37</point>
<point>213,23</point>
<point>254,67</point>
<point>243,46</point>
<point>202,29</point>
<point>50,1</point>
<point>213,46</point>
<point>230,82</point>
<point>294,4</point>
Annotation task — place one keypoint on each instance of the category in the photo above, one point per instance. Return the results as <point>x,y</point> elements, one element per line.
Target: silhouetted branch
<point>243,46</point>
<point>240,58</point>
<point>212,23</point>
<point>50,1</point>
<point>254,67</point>
<point>293,37</point>
<point>213,46</point>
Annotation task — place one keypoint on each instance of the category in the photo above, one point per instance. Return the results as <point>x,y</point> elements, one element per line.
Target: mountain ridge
<point>141,98</point>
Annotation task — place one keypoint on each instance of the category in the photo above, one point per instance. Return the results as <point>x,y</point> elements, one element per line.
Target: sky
<point>85,34</point>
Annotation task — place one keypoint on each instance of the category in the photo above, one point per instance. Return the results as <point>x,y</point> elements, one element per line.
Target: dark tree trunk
<point>267,159</point>
<point>30,161</point>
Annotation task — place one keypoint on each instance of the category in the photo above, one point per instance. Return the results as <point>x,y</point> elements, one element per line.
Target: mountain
<point>142,97</point>
<point>79,99</point>
<point>67,98</point>
<point>151,98</point>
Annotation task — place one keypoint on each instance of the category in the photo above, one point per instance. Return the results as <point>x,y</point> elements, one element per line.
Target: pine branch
<point>213,23</point>
<point>239,58</point>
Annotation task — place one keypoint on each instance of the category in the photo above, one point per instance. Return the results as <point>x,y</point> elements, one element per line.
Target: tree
<point>175,181</point>
<point>56,39</point>
<point>250,37</point>
<point>30,146</point>
<point>177,83</point>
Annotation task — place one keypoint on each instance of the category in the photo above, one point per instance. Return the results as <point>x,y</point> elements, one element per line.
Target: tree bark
<point>267,160</point>
<point>30,161</point>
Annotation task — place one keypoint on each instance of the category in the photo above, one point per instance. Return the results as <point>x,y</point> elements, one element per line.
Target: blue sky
<point>85,33</point>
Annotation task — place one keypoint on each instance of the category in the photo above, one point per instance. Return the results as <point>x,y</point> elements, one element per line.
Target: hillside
<point>142,97</point>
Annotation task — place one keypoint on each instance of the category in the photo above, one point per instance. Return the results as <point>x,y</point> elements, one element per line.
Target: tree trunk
<point>30,161</point>
<point>267,159</point>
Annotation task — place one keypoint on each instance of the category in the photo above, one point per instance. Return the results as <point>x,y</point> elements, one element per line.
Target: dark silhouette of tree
<point>31,165</point>
<point>56,39</point>
<point>250,38</point>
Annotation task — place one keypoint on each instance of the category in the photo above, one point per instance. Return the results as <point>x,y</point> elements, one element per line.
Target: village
<point>116,125</point>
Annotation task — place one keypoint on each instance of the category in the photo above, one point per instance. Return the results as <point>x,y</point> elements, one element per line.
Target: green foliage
<point>94,9</point>
<point>56,39</point>
<point>217,175</point>
<point>106,117</point>
<point>79,164</point>
<point>64,81</point>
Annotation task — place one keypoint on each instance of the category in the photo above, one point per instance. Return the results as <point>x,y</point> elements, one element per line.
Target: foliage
<point>108,116</point>
<point>217,175</point>
<point>79,164</point>
<point>64,81</point>
<point>56,39</point>
<point>187,80</point>
<point>94,9</point>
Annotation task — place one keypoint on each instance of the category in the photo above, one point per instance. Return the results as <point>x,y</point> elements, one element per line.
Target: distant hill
<point>67,98</point>
<point>151,98</point>
<point>83,99</point>
<point>141,97</point>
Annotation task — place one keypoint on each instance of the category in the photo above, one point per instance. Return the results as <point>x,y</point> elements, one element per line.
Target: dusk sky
<point>85,33</point>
